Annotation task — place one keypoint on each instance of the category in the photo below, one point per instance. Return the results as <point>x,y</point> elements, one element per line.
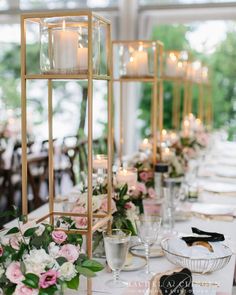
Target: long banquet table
<point>224,278</point>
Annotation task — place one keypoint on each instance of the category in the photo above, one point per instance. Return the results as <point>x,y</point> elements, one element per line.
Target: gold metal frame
<point>157,92</point>
<point>187,86</point>
<point>103,218</point>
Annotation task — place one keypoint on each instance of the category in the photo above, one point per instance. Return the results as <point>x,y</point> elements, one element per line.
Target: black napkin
<point>177,283</point>
<point>212,237</point>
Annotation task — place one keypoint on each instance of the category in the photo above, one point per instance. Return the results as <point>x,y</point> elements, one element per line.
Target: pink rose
<point>152,193</point>
<point>80,221</point>
<point>24,290</point>
<point>139,188</point>
<point>130,206</point>
<point>104,206</point>
<point>14,273</point>
<point>59,236</point>
<point>1,250</point>
<point>70,252</point>
<point>48,279</point>
<point>144,176</point>
<point>15,243</point>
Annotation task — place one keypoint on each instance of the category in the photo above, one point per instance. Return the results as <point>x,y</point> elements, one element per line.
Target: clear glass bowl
<point>197,265</point>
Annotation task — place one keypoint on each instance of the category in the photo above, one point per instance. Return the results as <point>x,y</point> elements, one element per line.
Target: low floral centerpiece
<point>38,259</point>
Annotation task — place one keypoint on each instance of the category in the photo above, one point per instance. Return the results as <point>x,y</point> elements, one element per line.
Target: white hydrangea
<point>67,271</point>
<point>37,261</point>
<point>53,249</point>
<point>40,229</point>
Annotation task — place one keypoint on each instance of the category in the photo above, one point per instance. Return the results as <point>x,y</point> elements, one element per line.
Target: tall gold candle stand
<point>71,47</point>
<point>140,61</point>
<point>175,71</point>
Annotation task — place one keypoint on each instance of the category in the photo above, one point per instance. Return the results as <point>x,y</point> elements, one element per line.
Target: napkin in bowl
<point>203,236</point>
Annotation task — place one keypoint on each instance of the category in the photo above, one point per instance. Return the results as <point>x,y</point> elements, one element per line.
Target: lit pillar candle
<point>128,175</point>
<point>100,162</point>
<point>180,69</point>
<point>167,155</point>
<point>141,58</point>
<point>82,59</point>
<point>171,65</point>
<point>173,137</point>
<point>145,145</point>
<point>163,135</point>
<point>131,67</point>
<point>65,48</point>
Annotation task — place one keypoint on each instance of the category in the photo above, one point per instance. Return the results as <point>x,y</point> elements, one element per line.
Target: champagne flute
<point>148,228</point>
<point>116,243</point>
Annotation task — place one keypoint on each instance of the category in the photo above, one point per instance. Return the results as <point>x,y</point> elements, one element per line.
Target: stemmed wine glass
<point>148,227</point>
<point>116,243</point>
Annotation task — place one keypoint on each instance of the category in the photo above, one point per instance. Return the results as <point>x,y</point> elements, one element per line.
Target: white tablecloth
<point>223,277</point>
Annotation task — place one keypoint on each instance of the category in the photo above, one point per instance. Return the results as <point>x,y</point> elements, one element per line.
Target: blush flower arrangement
<point>41,260</point>
<point>123,211</point>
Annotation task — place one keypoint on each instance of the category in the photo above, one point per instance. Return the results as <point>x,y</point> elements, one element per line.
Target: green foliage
<point>174,38</point>
<point>222,63</point>
<point>224,82</point>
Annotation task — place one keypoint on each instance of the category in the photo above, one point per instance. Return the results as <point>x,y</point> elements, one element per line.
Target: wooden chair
<point>37,172</point>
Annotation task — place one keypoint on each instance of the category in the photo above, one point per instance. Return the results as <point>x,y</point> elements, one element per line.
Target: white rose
<point>40,230</point>
<point>67,271</point>
<point>53,249</point>
<point>1,272</point>
<point>37,261</point>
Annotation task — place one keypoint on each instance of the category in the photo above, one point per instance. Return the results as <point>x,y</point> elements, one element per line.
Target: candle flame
<point>145,141</point>
<point>63,25</point>
<point>140,47</point>
<point>172,56</point>
<point>164,132</point>
<point>180,64</point>
<point>198,121</point>
<point>166,150</point>
<point>131,59</point>
<point>186,123</point>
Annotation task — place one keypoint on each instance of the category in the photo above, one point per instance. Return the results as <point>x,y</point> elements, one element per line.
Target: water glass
<point>116,243</point>
<point>168,216</point>
<point>148,227</point>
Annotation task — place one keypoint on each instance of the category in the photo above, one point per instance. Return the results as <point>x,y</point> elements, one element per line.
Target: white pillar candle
<point>128,176</point>
<point>180,69</point>
<point>83,59</point>
<point>65,49</point>
<point>141,58</point>
<point>173,137</point>
<point>131,67</point>
<point>167,155</point>
<point>171,65</point>
<point>145,145</point>
<point>100,162</point>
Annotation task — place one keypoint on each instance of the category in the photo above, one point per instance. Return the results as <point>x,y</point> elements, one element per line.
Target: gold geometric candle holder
<point>86,36</point>
<point>176,65</point>
<point>140,61</point>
